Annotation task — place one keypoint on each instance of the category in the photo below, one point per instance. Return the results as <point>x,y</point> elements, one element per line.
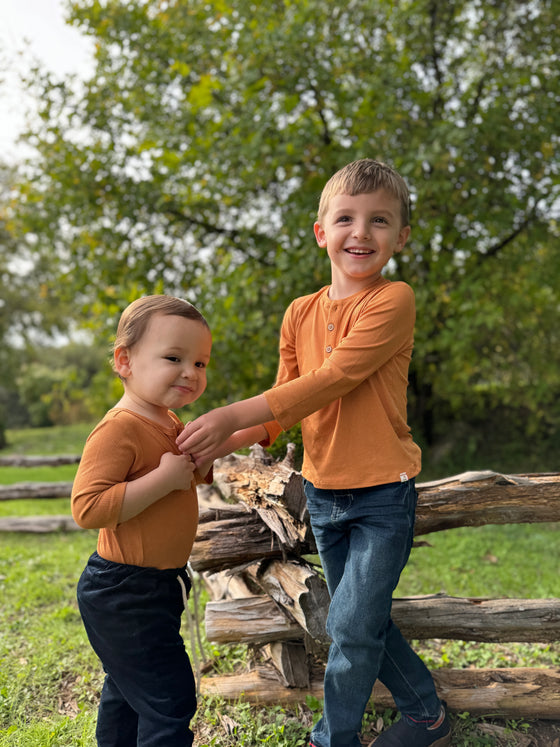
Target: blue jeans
<point>364,537</point>
<point>132,616</point>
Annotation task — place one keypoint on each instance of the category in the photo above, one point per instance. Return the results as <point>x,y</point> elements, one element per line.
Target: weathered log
<point>232,537</point>
<point>289,658</point>
<point>253,620</point>
<point>251,477</point>
<point>478,498</point>
<point>35,490</point>
<point>38,524</point>
<point>18,460</point>
<point>519,691</point>
<point>493,620</point>
<point>300,590</point>
<point>468,499</point>
<point>224,585</point>
<point>263,684</point>
<point>516,692</point>
<point>274,490</point>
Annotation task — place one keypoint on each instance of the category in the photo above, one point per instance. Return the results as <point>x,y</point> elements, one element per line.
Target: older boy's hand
<point>203,436</point>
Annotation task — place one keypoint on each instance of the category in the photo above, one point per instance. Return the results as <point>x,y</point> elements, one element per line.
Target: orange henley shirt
<point>343,373</point>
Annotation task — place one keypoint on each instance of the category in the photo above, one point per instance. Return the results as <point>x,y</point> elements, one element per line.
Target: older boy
<point>344,357</point>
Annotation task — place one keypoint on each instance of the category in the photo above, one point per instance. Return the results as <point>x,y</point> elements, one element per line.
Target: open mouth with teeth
<point>358,252</point>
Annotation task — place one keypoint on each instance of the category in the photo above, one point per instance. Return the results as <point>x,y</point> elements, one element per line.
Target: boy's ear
<point>404,233</point>
<point>121,358</point>
<point>320,234</point>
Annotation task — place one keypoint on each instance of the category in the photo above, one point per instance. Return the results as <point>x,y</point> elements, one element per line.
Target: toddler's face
<point>167,367</point>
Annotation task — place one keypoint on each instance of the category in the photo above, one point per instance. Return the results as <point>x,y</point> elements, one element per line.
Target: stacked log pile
<point>255,551</point>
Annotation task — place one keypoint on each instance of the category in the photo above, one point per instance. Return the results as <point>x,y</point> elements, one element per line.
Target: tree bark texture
<point>509,693</point>
<point>490,620</point>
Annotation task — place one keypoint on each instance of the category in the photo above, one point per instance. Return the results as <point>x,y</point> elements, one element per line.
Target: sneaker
<point>402,734</point>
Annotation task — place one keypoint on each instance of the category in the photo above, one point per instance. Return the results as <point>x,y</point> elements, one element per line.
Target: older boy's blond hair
<point>363,176</point>
<point>134,319</point>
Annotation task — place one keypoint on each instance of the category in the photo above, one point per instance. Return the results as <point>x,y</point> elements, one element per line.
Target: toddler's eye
<point>200,364</point>
<point>172,358</point>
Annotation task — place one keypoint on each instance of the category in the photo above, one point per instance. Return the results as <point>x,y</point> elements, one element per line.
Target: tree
<point>193,159</point>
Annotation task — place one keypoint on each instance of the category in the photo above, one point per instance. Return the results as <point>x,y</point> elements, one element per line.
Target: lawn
<point>50,679</point>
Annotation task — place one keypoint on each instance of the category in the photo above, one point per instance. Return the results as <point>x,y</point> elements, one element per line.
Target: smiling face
<point>166,368</point>
<point>361,233</point>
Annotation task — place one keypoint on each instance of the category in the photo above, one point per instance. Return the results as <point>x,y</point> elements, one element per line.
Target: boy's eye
<point>200,364</point>
<point>172,358</point>
<point>379,219</point>
<point>343,219</point>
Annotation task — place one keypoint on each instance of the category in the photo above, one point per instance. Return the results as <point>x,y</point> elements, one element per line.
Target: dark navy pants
<point>132,616</point>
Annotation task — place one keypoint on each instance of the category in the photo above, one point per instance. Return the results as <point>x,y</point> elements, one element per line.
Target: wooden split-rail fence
<point>256,554</point>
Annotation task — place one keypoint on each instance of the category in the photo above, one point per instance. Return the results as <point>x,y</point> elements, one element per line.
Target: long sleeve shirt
<point>343,373</point>
<point>123,447</point>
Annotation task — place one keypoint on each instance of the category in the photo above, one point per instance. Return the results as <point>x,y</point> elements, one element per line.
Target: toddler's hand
<point>177,470</point>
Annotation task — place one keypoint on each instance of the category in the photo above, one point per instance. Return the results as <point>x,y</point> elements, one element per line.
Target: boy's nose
<point>361,231</point>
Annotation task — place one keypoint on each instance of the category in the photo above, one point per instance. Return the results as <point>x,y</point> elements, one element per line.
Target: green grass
<point>48,672</point>
<point>515,560</point>
<point>50,678</point>
<point>58,440</point>
<point>63,473</point>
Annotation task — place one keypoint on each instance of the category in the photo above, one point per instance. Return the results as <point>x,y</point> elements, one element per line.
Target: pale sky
<point>34,30</point>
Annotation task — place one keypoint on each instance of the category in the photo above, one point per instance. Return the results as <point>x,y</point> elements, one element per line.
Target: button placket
<point>330,328</point>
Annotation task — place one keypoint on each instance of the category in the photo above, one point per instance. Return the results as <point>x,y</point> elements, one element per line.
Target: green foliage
<point>192,162</point>
<point>68,384</point>
<point>67,439</point>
